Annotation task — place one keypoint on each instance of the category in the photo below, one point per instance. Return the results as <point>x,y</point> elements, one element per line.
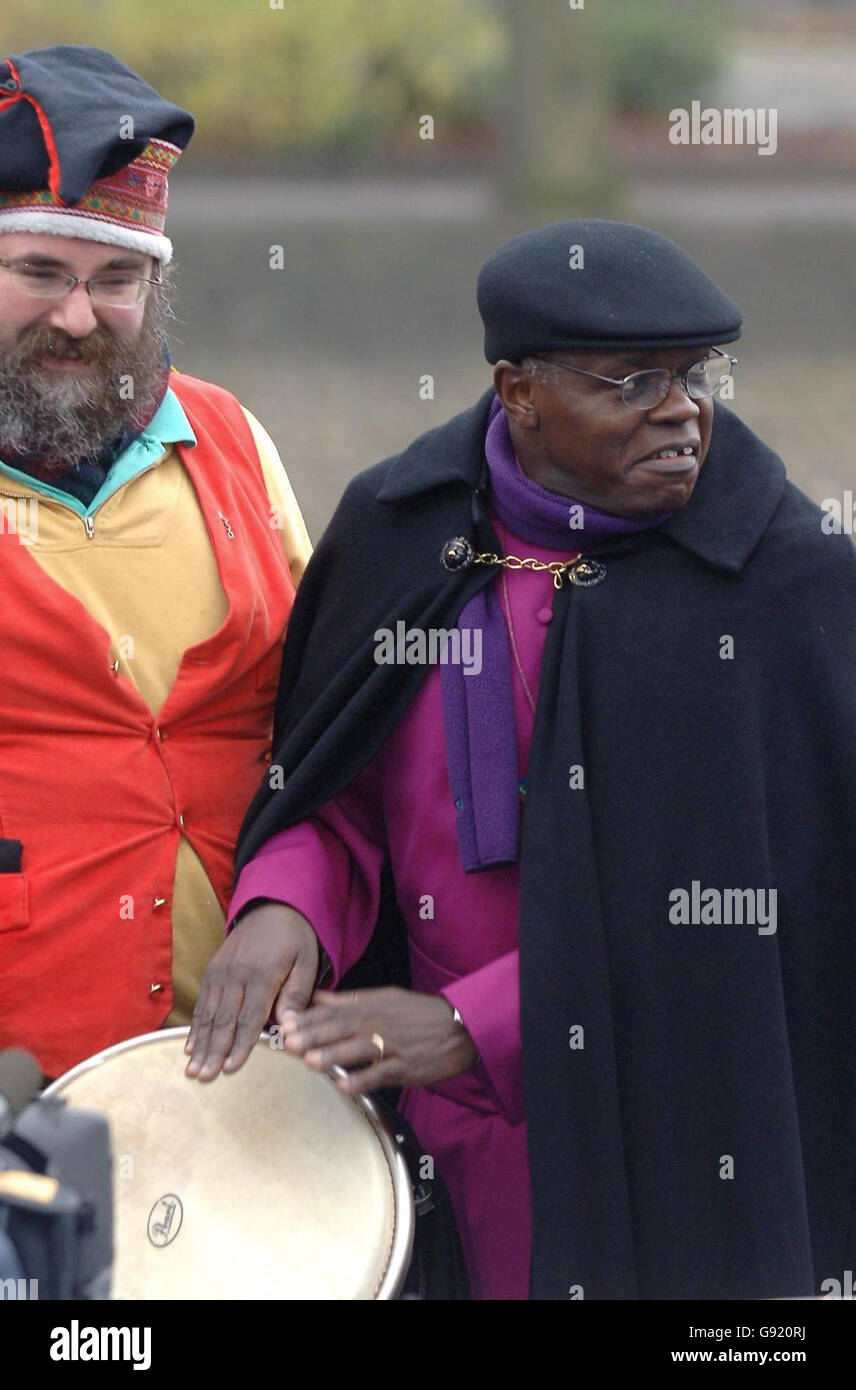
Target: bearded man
<point>151,545</point>
<point>622,850</point>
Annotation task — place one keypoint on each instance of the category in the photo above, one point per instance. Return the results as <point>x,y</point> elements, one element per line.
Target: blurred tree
<point>556,107</point>
<point>662,53</point>
<point>349,77</point>
<point>337,75</point>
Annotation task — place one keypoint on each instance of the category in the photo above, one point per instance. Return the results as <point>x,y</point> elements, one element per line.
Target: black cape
<point>702,1142</point>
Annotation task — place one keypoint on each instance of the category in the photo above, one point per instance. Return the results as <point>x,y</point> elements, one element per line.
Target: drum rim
<point>404,1216</point>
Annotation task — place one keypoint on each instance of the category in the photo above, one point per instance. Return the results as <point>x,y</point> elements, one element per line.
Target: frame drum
<point>264,1184</point>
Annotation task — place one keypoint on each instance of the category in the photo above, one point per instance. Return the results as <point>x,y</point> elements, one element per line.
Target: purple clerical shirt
<point>462,934</point>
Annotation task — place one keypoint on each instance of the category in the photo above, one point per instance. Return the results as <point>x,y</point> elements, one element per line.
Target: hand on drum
<point>269,961</point>
<point>384,1037</point>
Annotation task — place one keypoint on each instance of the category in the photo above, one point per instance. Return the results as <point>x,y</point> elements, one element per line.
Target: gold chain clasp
<point>459,554</point>
<point>584,573</point>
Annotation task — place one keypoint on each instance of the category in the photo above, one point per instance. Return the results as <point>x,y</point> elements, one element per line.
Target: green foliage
<point>344,75</point>
<point>663,52</point>
<point>314,74</point>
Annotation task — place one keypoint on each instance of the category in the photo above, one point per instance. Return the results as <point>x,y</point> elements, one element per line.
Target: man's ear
<point>517,390</point>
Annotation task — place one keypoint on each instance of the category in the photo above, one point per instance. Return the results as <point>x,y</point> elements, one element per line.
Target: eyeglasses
<point>114,290</point>
<point>644,390</point>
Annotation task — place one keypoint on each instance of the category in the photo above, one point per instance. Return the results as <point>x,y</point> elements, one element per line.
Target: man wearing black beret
<point>150,547</point>
<point>568,712</point>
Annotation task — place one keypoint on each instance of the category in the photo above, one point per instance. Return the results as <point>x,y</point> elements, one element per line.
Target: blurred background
<point>388,147</point>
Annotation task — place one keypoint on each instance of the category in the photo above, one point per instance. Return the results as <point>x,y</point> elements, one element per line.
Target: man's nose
<point>74,313</point>
<point>676,405</point>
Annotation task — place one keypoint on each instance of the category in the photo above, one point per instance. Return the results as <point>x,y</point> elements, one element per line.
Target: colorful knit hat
<point>86,148</point>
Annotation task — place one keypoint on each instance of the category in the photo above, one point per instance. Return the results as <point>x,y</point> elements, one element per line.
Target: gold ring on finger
<point>378,1042</point>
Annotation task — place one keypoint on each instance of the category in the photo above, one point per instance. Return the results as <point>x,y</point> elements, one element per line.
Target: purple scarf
<point>478,709</point>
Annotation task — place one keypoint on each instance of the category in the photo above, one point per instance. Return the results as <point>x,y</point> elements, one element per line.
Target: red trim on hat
<point>54,171</point>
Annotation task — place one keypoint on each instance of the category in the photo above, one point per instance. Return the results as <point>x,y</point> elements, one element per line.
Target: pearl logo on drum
<point>165,1220</point>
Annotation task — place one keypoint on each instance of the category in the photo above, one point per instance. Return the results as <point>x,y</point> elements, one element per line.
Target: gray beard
<point>61,418</point>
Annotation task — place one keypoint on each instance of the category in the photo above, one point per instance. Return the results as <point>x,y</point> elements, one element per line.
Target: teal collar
<point>169,425</point>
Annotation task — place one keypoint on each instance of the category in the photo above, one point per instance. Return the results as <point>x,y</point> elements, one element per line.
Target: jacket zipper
<point>88,524</point>
<point>88,521</point>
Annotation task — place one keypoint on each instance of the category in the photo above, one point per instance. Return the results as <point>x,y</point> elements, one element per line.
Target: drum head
<point>264,1184</point>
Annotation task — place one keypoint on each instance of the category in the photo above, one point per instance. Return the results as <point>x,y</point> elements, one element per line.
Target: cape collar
<point>739,488</point>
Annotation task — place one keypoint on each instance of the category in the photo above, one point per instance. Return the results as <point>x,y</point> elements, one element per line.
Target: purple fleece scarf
<point>478,709</point>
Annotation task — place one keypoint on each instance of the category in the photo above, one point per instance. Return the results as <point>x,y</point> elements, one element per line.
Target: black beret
<point>632,288</point>
<point>61,111</point>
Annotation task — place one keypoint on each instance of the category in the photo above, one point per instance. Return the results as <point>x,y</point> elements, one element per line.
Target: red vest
<point>99,791</point>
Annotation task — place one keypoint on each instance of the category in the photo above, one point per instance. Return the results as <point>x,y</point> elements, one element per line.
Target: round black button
<point>456,554</point>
